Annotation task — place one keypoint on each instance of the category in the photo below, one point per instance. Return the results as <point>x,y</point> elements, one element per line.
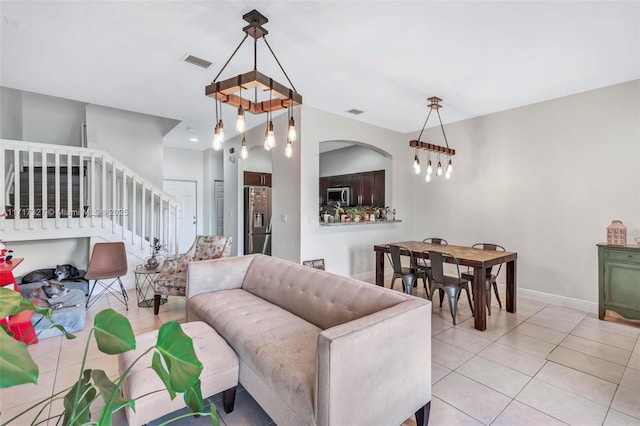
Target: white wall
<point>10,114</point>
<point>349,250</point>
<point>286,191</point>
<point>40,118</point>
<point>544,180</point>
<point>39,254</point>
<point>131,138</point>
<point>352,159</point>
<point>259,159</point>
<point>233,209</point>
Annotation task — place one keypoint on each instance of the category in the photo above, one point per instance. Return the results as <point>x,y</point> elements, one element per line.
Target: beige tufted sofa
<point>317,348</point>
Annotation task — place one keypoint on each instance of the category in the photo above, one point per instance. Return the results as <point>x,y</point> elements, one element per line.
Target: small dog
<point>39,275</point>
<point>49,290</point>
<point>61,272</point>
<point>66,272</point>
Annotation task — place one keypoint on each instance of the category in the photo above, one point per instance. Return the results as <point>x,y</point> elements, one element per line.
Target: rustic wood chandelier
<point>229,91</point>
<point>432,148</point>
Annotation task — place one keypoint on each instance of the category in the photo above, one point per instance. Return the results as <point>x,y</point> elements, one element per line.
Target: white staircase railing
<point>99,197</point>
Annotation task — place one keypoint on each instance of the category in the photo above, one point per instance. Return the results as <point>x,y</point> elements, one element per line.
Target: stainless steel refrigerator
<point>257,220</point>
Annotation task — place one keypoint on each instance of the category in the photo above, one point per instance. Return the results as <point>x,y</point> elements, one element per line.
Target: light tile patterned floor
<point>544,365</point>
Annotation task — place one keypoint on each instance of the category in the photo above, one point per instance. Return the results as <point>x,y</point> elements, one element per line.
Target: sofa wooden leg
<point>229,399</point>
<point>422,415</point>
<point>156,304</point>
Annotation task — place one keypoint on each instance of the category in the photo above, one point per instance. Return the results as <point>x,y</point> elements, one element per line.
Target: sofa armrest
<point>225,273</point>
<point>376,369</point>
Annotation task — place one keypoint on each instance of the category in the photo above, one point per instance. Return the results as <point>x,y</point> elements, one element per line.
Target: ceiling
<point>383,57</point>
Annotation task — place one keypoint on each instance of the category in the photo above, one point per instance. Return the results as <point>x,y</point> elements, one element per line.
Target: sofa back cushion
<point>321,298</point>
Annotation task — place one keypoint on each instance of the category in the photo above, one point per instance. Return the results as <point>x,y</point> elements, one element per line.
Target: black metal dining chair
<point>452,285</point>
<point>491,278</point>
<point>406,274</point>
<point>423,266</point>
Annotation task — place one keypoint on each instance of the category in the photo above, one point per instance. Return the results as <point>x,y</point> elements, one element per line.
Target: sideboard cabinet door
<point>619,280</point>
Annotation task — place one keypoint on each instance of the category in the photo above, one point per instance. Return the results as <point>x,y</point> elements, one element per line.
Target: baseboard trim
<point>539,296</point>
<point>554,299</point>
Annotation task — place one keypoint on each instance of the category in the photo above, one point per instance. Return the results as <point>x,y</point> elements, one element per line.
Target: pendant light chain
<point>276,58</point>
<point>425,124</point>
<point>229,60</point>
<point>442,127</point>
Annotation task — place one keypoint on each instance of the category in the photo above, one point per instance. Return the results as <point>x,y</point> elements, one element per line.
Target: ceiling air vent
<point>203,63</point>
<point>355,111</point>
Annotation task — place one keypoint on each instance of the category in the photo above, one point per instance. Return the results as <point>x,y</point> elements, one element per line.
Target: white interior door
<point>219,206</point>
<point>185,193</point>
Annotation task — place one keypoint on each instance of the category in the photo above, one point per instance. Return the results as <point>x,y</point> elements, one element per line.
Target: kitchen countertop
<point>361,223</point>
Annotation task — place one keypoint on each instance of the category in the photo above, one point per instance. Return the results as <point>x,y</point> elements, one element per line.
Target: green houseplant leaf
<point>111,396</point>
<point>9,301</point>
<point>113,332</point>
<point>12,302</point>
<point>157,366</point>
<point>179,356</point>
<point>193,398</point>
<point>78,401</point>
<point>16,365</point>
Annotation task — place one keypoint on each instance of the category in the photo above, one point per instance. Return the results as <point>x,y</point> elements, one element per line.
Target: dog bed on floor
<point>71,316</point>
<point>71,284</point>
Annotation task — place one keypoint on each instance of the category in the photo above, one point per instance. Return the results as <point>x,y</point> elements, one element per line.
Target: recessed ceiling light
<point>193,139</point>
<point>355,111</point>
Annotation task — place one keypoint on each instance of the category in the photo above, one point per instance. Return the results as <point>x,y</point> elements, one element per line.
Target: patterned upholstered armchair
<point>172,279</point>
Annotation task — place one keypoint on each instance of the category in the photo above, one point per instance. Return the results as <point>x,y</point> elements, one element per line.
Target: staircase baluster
<point>57,187</point>
<point>16,188</point>
<point>45,204</point>
<point>81,190</point>
<point>69,189</point>
<point>31,211</point>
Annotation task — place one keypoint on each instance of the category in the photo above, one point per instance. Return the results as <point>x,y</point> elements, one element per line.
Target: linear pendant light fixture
<point>432,148</point>
<point>229,91</point>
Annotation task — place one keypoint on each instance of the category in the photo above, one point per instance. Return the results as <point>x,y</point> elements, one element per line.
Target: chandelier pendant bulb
<point>240,123</point>
<point>221,130</point>
<point>288,150</point>
<point>292,134</point>
<point>244,152</point>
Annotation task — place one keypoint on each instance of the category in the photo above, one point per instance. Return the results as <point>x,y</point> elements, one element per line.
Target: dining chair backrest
<point>492,247</point>
<point>437,264</point>
<point>393,253</point>
<point>435,240</point>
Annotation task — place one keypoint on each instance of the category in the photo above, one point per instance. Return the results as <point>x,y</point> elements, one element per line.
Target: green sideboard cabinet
<point>619,280</point>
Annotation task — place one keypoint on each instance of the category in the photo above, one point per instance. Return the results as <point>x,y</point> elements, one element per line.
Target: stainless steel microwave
<point>342,194</point>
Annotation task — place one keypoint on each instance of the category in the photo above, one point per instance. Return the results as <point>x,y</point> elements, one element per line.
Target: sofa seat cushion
<point>277,345</point>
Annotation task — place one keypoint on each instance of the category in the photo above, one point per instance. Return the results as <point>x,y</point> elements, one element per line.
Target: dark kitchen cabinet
<point>325,182</point>
<point>367,188</point>
<point>257,179</point>
<point>377,191</point>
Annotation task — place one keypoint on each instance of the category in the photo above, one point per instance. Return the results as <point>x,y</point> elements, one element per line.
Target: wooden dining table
<point>480,260</point>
